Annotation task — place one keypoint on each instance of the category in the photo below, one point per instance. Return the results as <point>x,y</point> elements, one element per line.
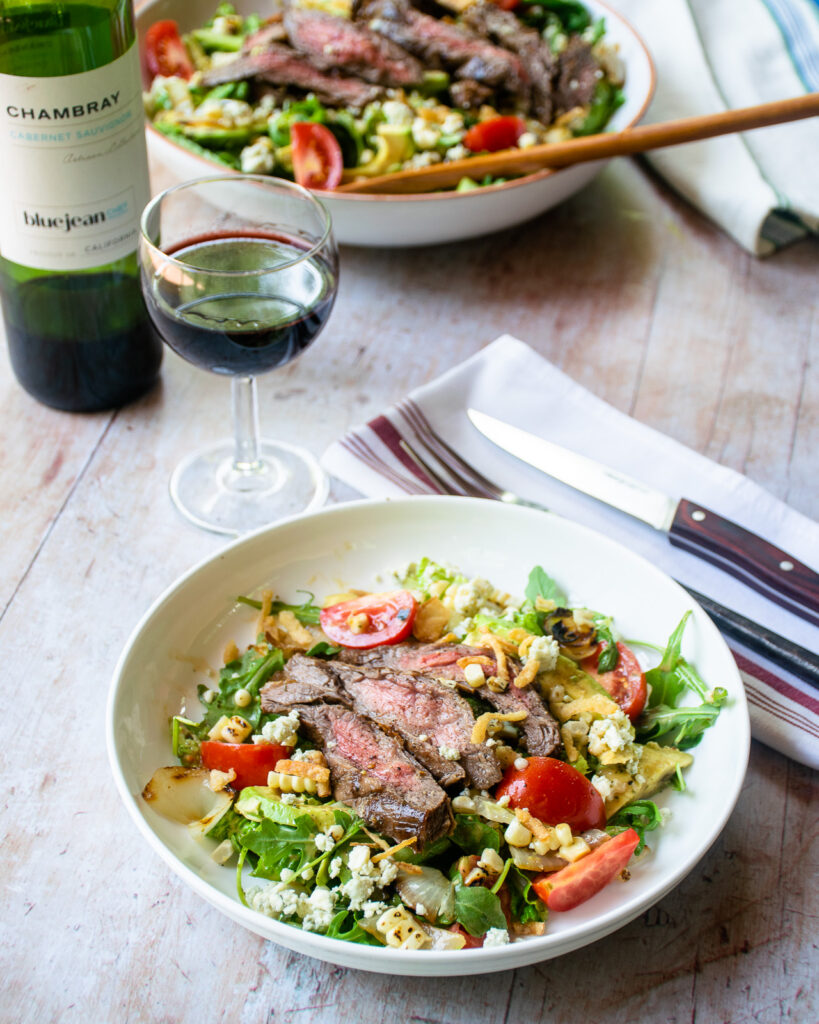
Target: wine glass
<point>239,275</point>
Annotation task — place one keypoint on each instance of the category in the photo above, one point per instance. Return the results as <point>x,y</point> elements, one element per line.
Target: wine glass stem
<point>245,425</point>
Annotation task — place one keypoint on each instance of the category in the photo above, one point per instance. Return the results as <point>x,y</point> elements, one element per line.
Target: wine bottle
<point>74,183</point>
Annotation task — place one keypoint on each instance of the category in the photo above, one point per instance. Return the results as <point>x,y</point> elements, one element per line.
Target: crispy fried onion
<point>484,722</point>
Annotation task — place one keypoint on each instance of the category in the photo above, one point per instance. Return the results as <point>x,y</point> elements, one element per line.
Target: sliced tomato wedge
<point>626,682</point>
<point>165,53</point>
<point>494,134</point>
<point>317,159</point>
<point>507,5</point>
<point>371,620</point>
<point>250,761</point>
<point>470,941</point>
<point>578,882</point>
<point>554,792</point>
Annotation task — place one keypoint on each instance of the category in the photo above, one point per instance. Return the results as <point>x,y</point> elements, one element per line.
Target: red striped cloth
<point>512,382</point>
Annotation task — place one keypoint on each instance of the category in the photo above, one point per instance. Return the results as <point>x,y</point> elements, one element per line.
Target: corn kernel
<point>491,860</point>
<point>575,850</point>
<point>517,834</point>
<point>474,676</point>
<point>242,698</point>
<point>359,623</point>
<point>236,730</point>
<point>564,834</point>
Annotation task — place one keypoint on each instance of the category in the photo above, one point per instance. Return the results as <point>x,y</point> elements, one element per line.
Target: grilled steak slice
<point>281,65</point>
<point>372,773</point>
<point>489,20</point>
<point>429,718</point>
<point>577,76</point>
<point>539,728</point>
<point>339,43</point>
<point>444,45</point>
<point>303,681</point>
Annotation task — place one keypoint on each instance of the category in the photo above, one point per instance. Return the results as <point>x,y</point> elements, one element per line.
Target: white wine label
<point>74,167</point>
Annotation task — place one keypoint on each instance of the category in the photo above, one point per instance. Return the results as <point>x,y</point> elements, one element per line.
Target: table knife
<point>756,562</point>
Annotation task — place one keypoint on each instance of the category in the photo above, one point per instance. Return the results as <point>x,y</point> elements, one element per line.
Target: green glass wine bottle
<point>74,182</point>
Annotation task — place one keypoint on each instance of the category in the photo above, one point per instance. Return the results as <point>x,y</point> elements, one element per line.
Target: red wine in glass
<point>234,321</point>
<point>239,274</point>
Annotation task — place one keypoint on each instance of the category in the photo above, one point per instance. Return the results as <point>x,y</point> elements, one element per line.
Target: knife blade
<point>690,526</point>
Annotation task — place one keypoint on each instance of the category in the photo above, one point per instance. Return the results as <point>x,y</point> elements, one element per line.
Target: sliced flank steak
<point>440,661</point>
<point>281,65</point>
<point>440,44</point>
<point>350,46</point>
<point>369,770</point>
<point>435,723</point>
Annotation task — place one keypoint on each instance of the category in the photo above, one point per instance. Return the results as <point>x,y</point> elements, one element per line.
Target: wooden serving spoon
<point>515,162</point>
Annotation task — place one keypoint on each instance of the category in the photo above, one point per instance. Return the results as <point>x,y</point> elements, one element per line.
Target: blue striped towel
<point>761,187</point>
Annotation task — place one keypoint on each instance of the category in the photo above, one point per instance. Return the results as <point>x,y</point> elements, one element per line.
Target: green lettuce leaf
<point>478,909</point>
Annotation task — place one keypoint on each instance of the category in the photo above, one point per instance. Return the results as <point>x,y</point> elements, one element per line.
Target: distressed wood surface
<point>631,293</point>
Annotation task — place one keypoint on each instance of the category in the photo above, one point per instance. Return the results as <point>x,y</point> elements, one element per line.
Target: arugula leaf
<point>345,926</point>
<point>668,682</point>
<point>525,904</point>
<point>542,585</point>
<point>426,853</point>
<point>322,650</point>
<point>689,722</point>
<point>643,816</point>
<point>307,613</point>
<point>281,846</point>
<point>478,909</point>
<point>609,655</point>
<point>250,672</point>
<point>473,834</point>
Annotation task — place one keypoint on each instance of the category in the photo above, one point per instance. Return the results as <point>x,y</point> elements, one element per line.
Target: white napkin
<point>761,187</point>
<point>784,709</point>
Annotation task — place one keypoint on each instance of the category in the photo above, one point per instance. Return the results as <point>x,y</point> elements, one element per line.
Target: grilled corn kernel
<point>491,860</point>
<point>400,930</point>
<point>359,623</point>
<point>473,674</point>
<point>547,845</point>
<point>292,783</point>
<point>236,730</point>
<point>242,698</point>
<point>216,732</point>
<point>517,834</point>
<point>575,850</point>
<point>564,834</point>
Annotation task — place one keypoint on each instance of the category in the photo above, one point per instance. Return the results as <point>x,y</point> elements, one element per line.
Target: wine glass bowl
<point>239,281</point>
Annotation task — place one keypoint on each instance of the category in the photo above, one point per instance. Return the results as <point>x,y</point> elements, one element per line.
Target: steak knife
<point>759,564</point>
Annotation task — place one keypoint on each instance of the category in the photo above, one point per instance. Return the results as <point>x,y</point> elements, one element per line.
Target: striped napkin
<point>761,187</point>
<point>784,707</point>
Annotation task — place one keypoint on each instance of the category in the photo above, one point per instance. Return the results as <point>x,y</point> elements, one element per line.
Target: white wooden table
<point>628,291</point>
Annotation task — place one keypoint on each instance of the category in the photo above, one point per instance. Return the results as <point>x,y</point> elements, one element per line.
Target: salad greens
<point>323,868</point>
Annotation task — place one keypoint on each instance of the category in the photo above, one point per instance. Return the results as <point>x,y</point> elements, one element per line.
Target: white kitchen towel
<point>511,381</point>
<point>761,187</point>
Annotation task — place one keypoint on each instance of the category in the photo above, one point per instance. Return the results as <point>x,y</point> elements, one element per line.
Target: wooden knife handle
<point>760,565</point>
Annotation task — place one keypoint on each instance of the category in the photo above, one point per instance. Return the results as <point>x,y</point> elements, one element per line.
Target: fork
<point>453,475</point>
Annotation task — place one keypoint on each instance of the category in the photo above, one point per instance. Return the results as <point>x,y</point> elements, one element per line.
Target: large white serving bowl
<point>431,218</point>
<point>359,545</point>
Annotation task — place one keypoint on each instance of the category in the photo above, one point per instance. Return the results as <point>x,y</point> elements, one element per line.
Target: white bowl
<point>359,544</point>
<point>431,218</point>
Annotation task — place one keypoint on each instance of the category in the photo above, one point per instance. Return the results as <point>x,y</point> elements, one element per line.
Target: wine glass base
<point>211,492</point>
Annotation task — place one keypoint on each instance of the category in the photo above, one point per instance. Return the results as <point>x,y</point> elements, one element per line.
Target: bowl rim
<point>472,193</point>
<point>385,959</point>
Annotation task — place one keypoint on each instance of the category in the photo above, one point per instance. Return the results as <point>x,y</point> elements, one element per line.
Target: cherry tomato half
<point>165,53</point>
<point>626,682</point>
<point>250,761</point>
<point>507,5</point>
<point>578,882</point>
<point>371,620</point>
<point>554,792</point>
<point>494,134</point>
<point>317,160</point>
<point>470,941</point>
